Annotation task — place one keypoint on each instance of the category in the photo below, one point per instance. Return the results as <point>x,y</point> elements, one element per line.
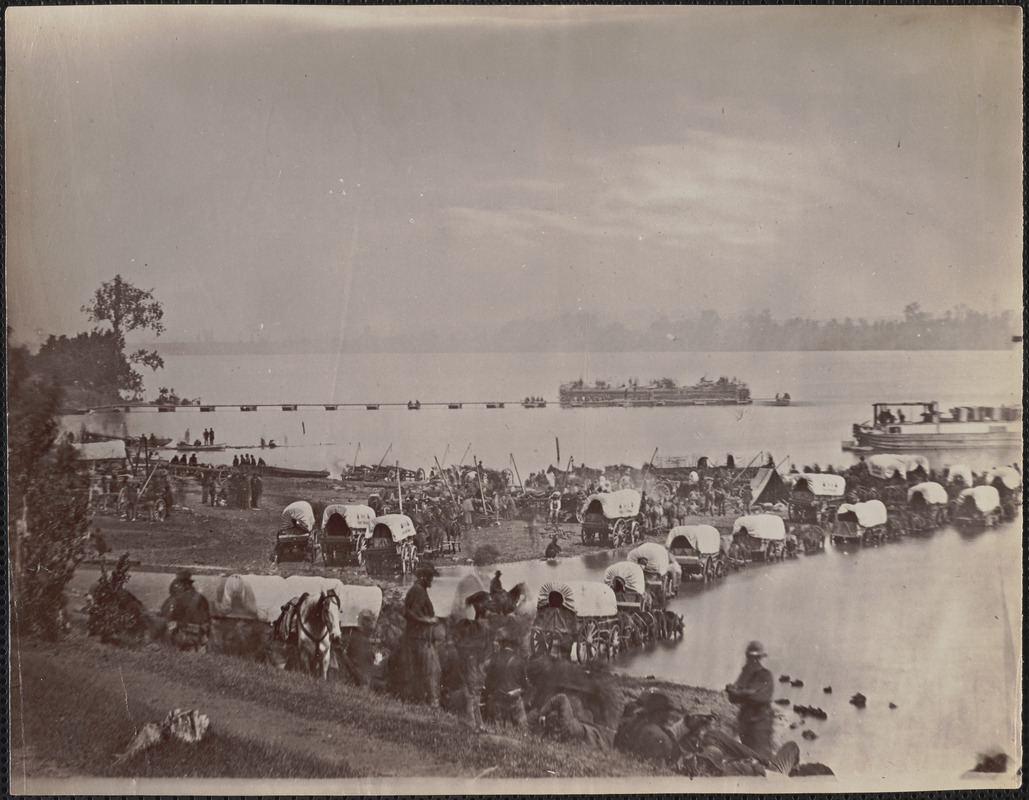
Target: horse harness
<point>329,596</point>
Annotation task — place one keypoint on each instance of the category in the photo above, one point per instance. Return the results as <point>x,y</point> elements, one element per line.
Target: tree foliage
<point>49,501</point>
<point>127,308</point>
<point>91,366</point>
<point>115,615</point>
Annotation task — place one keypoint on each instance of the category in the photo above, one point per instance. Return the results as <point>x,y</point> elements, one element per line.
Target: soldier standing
<point>422,659</point>
<point>752,692</point>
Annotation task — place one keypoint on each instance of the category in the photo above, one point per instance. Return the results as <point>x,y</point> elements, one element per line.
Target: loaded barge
<point>723,392</point>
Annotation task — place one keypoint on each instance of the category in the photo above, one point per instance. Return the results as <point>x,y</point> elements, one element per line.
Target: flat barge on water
<point>723,392</point>
<point>924,427</point>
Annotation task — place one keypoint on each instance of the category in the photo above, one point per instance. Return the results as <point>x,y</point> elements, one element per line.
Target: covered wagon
<point>977,506</point>
<point>761,537</point>
<point>297,536</point>
<point>697,549</point>
<point>815,497</point>
<point>927,506</point>
<point>345,530</point>
<point>391,548</point>
<point>657,570</point>
<point>636,622</point>
<point>611,517</point>
<point>575,619</point>
<point>860,522</point>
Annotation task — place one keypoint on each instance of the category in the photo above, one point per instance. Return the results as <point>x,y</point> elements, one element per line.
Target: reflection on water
<point>929,623</point>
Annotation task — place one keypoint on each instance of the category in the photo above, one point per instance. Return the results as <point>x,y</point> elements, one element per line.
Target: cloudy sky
<point>316,170</point>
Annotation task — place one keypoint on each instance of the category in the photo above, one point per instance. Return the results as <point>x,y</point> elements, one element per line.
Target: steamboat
<point>924,427</point>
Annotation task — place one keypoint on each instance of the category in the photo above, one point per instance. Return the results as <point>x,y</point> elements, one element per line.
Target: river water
<point>831,391</point>
<point>929,623</point>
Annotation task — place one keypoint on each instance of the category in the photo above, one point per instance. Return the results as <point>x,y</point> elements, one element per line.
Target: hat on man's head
<point>426,570</point>
<point>497,574</point>
<point>184,576</point>
<point>756,649</point>
<point>655,702</point>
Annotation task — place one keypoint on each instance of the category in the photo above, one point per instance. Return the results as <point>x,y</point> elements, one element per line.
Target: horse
<point>317,630</point>
<point>500,603</point>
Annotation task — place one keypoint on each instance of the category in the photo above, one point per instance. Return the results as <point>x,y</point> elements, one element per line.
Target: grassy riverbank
<point>269,723</point>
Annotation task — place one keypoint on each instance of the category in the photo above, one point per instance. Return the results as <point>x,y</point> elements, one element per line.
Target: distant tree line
<point>960,328</point>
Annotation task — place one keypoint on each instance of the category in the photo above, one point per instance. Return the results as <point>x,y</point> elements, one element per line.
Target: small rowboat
<point>287,472</point>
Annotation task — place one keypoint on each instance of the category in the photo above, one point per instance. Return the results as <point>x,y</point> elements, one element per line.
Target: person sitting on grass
<point>186,614</point>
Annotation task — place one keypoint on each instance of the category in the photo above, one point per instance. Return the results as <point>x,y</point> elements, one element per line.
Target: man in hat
<point>752,692</point>
<point>495,586</point>
<point>651,727</point>
<point>507,681</point>
<point>422,658</point>
<point>186,614</point>
<point>555,508</point>
<point>568,715</point>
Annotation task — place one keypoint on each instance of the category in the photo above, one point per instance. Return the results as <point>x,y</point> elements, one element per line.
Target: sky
<point>284,172</point>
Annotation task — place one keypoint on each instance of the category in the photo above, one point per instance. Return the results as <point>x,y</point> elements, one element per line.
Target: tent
<point>767,486</point>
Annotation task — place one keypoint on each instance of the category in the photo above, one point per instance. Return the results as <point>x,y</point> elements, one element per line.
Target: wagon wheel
<point>123,501</point>
<point>634,532</point>
<point>620,532</point>
<point>587,644</point>
<point>614,643</point>
<point>222,477</point>
<point>537,642</point>
<point>719,569</point>
<point>580,514</point>
<point>160,510</point>
<point>360,554</point>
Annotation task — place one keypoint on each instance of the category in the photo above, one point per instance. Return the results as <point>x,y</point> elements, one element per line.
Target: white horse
<point>317,630</point>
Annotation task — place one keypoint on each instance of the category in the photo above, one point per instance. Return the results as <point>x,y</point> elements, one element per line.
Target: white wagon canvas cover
<point>931,493</point>
<point>868,514</point>
<point>298,515</point>
<point>583,598</point>
<point>631,574</point>
<point>1008,476</point>
<point>359,518</point>
<point>761,526</point>
<point>655,555</point>
<point>705,539</point>
<point>886,466</point>
<point>986,498</point>
<point>622,504</point>
<point>821,485</point>
<point>261,597</point>
<point>399,526</point>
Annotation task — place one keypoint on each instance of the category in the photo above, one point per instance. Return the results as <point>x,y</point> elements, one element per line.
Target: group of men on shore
<point>478,670</point>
